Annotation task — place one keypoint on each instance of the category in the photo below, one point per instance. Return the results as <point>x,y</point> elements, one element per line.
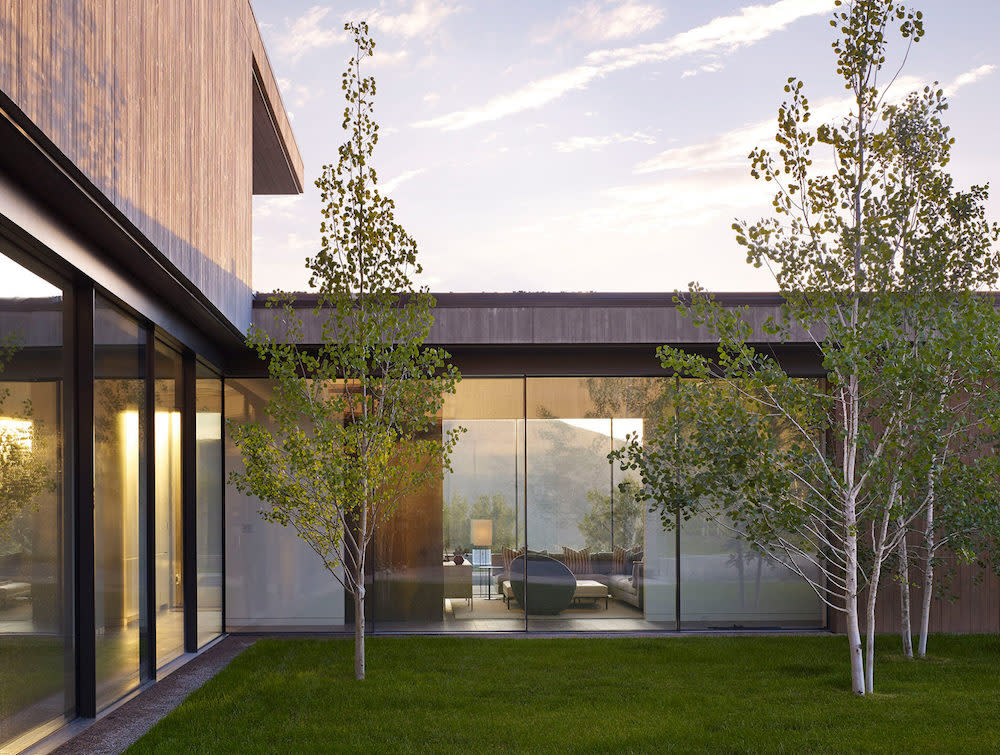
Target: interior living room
<point>536,529</point>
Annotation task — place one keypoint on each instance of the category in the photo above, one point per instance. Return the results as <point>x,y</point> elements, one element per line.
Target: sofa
<point>623,570</point>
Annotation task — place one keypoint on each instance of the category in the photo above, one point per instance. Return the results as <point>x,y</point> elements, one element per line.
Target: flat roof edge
<point>278,115</point>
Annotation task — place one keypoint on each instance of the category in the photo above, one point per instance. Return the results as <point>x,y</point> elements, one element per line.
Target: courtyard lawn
<point>716,694</point>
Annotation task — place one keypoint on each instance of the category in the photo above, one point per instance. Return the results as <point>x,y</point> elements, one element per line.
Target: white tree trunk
<point>873,596</point>
<point>870,626</point>
<point>925,610</point>
<point>905,629</point>
<point>359,628</point>
<point>851,605</point>
<point>854,644</point>
<point>359,595</point>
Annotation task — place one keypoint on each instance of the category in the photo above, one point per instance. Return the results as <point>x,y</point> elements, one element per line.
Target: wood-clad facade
<point>133,135</point>
<point>160,104</point>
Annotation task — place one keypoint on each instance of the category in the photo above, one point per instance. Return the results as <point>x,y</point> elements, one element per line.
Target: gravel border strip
<point>122,727</point>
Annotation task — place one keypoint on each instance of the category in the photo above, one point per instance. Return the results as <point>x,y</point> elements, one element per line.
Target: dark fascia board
<point>536,299</point>
<point>571,360</point>
<point>604,299</point>
<point>35,162</point>
<point>274,169</point>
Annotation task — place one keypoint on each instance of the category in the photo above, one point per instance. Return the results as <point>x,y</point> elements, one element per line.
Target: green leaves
<point>351,426</point>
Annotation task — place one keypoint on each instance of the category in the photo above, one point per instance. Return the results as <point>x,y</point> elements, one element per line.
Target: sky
<point>598,145</point>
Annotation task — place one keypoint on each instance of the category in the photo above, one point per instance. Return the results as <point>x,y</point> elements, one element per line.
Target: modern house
<point>132,138</point>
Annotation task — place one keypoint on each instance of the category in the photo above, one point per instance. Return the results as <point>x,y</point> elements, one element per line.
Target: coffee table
<point>591,589</point>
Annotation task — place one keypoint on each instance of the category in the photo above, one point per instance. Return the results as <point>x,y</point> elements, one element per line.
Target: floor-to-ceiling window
<point>591,557</point>
<point>119,500</point>
<point>36,618</point>
<point>532,500</point>
<point>208,469</point>
<point>168,505</point>
<point>273,579</point>
<point>482,497</point>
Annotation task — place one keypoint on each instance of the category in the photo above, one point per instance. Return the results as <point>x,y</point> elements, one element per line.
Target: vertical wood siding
<point>971,604</point>
<point>152,99</point>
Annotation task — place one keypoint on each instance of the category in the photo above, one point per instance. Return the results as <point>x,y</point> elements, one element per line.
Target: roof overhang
<point>277,164</point>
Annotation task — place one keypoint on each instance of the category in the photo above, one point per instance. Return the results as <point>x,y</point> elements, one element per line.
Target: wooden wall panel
<point>976,607</point>
<point>152,99</point>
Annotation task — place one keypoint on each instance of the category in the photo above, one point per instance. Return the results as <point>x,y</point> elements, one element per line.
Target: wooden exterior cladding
<point>970,603</point>
<point>154,102</point>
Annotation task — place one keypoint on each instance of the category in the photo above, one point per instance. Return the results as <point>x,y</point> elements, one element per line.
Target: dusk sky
<point>586,146</point>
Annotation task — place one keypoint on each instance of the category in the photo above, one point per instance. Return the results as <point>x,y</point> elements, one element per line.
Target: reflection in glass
<point>208,438</point>
<point>119,564</point>
<point>581,510</point>
<point>273,578</point>
<point>36,619</point>
<point>169,560</point>
<point>482,496</point>
<point>727,584</point>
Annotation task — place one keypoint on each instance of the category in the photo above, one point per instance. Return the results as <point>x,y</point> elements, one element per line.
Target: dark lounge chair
<point>550,584</point>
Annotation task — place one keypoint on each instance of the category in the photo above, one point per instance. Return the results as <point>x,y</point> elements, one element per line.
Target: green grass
<point>694,694</point>
<point>32,668</point>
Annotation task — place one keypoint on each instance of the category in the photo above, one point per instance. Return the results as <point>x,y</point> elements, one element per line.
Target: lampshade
<point>482,532</point>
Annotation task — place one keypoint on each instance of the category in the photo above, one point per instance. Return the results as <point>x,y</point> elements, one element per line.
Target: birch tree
<point>871,257</point>
<point>955,470</point>
<point>352,427</point>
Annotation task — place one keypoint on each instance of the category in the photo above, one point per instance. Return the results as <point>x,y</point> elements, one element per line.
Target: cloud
<point>731,148</point>
<point>282,206</point>
<point>313,30</point>
<point>431,97</point>
<point>594,143</point>
<point>720,35</point>
<point>296,95</point>
<point>383,59</point>
<point>305,34</point>
<point>422,18</point>
<point>685,202</point>
<point>602,21</point>
<point>970,77</point>
<point>712,67</point>
<point>389,186</point>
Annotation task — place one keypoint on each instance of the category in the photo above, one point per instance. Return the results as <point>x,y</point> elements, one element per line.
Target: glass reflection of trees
<point>36,644</point>
<point>458,516</point>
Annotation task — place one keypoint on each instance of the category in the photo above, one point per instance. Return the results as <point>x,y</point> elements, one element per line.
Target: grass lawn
<point>716,694</point>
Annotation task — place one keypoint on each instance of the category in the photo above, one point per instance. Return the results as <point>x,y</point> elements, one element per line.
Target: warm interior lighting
<point>482,532</point>
<point>130,531</point>
<point>208,425</point>
<point>19,430</point>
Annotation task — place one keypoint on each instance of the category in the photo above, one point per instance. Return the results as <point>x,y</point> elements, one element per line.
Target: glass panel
<point>594,554</point>
<point>36,618</point>
<point>208,438</point>
<point>169,562</point>
<point>439,561</point>
<point>119,500</point>
<point>482,498</point>
<point>273,579</point>
<point>726,584</point>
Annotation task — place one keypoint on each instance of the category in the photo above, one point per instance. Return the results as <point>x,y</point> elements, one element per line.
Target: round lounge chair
<point>550,584</point>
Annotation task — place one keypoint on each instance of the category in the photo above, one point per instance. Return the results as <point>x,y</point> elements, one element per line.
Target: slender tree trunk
<point>359,630</point>
<point>756,594</point>
<point>851,604</point>
<point>359,595</point>
<point>925,610</point>
<point>873,596</point>
<point>739,569</point>
<point>905,630</point>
